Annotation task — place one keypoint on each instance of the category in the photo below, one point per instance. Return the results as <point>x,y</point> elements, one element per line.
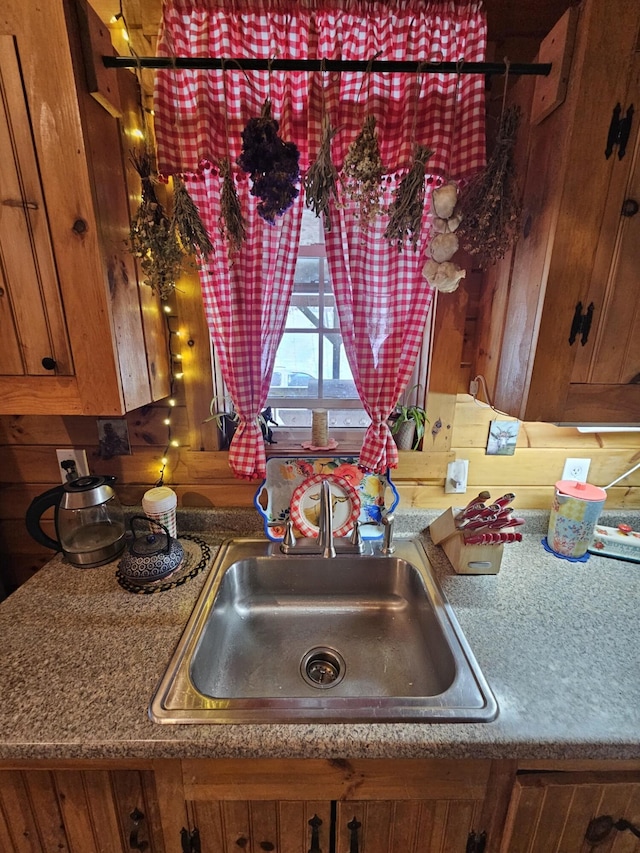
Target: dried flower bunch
<point>233,225</point>
<point>152,235</point>
<point>491,203</point>
<point>362,173</point>
<point>191,230</point>
<point>405,211</point>
<point>271,163</point>
<point>321,181</point>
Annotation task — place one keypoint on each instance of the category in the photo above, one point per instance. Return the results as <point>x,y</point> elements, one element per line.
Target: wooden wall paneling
<point>195,347</point>
<point>446,355</point>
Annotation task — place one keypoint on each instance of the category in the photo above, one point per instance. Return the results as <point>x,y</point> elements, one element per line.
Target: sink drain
<point>323,667</point>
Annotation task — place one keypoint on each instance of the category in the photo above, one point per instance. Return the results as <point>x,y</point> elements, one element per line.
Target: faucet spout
<point>325,526</point>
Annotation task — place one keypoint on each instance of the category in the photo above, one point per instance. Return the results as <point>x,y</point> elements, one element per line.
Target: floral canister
<point>574,513</point>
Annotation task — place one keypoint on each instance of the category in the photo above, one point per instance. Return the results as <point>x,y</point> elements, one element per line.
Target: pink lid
<point>583,491</point>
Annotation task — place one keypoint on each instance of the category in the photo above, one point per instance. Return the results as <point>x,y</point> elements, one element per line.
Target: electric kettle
<point>89,520</point>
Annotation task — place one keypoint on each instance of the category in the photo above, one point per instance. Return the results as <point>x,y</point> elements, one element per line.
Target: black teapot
<point>151,555</point>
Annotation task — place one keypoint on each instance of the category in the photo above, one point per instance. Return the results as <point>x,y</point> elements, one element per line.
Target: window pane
<point>296,367</point>
<point>304,311</point>
<point>337,417</point>
<point>311,230</point>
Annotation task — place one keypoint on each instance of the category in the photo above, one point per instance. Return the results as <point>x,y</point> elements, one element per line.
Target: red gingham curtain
<point>246,309</point>
<point>199,118</point>
<point>383,302</point>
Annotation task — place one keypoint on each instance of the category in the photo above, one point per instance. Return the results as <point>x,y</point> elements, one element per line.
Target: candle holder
<point>320,432</point>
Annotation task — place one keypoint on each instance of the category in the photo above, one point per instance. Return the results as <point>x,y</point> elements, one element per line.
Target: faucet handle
<point>387,520</point>
<point>356,536</point>
<point>289,536</point>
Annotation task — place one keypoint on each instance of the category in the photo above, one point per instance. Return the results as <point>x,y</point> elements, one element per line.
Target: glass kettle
<point>89,520</point>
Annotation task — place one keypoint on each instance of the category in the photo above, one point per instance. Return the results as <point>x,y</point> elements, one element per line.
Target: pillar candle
<point>319,428</point>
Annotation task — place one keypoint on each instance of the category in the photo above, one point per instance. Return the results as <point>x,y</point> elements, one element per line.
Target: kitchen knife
<point>505,499</point>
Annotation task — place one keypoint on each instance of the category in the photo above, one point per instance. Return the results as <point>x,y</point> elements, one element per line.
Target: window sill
<point>290,441</point>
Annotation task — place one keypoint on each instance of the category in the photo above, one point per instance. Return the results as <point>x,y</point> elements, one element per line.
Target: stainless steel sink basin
<point>277,638</point>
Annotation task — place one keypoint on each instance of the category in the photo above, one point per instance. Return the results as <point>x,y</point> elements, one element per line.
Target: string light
<point>174,359</point>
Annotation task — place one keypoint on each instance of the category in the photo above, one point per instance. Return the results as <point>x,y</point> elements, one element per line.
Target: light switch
<point>457,476</point>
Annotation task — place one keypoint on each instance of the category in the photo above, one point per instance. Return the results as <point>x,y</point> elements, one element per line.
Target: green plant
<point>227,421</point>
<point>403,414</point>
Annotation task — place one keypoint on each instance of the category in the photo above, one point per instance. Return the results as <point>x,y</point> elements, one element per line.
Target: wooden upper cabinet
<point>576,258</point>
<point>80,335</point>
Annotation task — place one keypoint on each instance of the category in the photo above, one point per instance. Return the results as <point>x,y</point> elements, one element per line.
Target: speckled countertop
<point>558,642</point>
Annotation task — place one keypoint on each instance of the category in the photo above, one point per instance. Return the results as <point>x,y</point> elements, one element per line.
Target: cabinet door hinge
<point>581,324</point>
<point>190,841</point>
<point>619,130</point>
<point>476,843</point>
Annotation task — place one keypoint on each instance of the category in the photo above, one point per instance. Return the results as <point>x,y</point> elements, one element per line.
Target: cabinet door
<point>92,811</point>
<point>407,826</point>
<point>552,813</point>
<point>574,249</point>
<point>31,318</point>
<point>610,360</point>
<point>259,826</point>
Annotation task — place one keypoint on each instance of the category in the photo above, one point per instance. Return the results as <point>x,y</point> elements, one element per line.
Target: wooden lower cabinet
<point>574,813</point>
<point>78,811</point>
<point>318,806</point>
<point>377,806</point>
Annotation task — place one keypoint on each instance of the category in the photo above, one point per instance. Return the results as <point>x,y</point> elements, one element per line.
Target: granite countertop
<point>557,641</point>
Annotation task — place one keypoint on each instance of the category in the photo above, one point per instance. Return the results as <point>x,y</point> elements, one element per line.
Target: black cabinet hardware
<point>476,843</point>
<point>190,841</point>
<point>134,844</point>
<point>619,130</point>
<point>581,324</point>
<point>315,823</point>
<point>601,827</point>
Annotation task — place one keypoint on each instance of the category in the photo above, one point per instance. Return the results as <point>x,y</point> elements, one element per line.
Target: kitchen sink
<point>275,638</point>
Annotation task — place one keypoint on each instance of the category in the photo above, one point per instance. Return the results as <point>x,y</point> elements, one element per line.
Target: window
<point>312,371</point>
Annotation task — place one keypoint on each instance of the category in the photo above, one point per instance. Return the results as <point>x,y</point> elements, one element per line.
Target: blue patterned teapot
<point>152,555</point>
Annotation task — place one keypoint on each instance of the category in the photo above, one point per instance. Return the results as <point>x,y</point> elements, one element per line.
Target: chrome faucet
<point>325,523</point>
<point>325,544</point>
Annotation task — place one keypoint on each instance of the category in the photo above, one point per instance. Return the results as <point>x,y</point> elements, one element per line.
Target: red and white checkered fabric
<point>190,120</point>
<point>383,300</point>
<point>246,309</point>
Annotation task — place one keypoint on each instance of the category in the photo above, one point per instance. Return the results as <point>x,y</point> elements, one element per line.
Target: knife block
<point>465,559</point>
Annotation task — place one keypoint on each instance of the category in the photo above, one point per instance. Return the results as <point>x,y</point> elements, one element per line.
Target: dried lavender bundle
<point>189,226</point>
<point>152,235</point>
<point>405,211</point>
<point>233,225</point>
<point>272,164</point>
<point>491,204</point>
<point>362,173</point>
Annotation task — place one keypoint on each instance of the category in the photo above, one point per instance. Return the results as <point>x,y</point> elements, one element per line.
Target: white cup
<point>159,504</point>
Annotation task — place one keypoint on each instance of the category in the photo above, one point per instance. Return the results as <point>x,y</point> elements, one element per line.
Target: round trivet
<point>197,555</point>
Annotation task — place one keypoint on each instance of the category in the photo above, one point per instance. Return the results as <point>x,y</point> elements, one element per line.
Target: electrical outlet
<point>457,476</point>
<point>72,463</point>
<point>576,469</point>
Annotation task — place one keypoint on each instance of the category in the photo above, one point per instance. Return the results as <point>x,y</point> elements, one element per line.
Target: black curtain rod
<point>332,65</point>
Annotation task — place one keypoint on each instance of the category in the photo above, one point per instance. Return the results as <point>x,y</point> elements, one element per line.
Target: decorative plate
<point>285,473</point>
<point>305,505</point>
